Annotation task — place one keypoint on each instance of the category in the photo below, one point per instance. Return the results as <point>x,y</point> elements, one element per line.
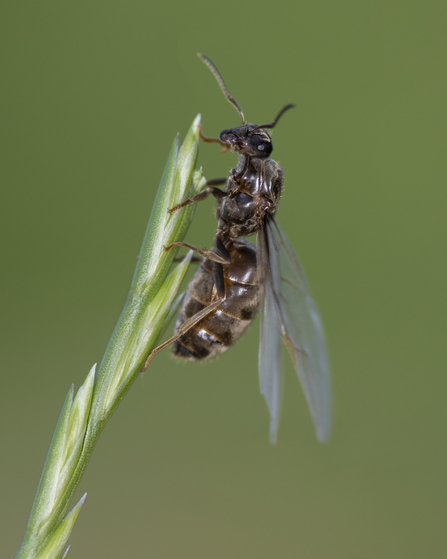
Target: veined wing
<point>287,298</point>
<point>270,372</point>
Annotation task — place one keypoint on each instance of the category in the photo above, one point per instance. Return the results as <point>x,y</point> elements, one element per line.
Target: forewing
<point>298,323</point>
<point>270,373</point>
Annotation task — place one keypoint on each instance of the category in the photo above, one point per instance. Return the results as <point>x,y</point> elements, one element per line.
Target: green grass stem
<point>150,305</point>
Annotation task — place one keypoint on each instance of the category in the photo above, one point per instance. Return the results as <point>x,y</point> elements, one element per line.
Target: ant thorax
<point>254,188</point>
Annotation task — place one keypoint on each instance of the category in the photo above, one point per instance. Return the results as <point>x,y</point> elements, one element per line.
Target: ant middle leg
<point>206,253</point>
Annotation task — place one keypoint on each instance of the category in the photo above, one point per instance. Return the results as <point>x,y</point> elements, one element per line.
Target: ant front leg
<point>211,189</point>
<point>225,146</point>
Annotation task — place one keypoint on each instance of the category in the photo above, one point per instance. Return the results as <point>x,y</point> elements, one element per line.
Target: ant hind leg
<point>219,282</point>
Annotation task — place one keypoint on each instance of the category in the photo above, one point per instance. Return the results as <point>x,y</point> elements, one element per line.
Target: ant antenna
<point>273,124</point>
<point>223,87</point>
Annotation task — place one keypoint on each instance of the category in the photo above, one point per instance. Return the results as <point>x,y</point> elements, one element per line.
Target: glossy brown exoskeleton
<point>236,278</point>
<point>252,189</point>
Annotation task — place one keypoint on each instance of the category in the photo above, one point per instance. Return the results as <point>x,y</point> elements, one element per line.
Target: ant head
<point>249,139</point>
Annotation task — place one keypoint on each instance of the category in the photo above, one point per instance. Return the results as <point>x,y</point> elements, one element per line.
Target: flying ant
<point>236,278</point>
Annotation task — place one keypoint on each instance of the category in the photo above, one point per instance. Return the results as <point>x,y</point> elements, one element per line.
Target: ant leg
<point>212,140</point>
<point>183,328</point>
<point>210,254</point>
<point>219,282</point>
<point>219,279</point>
<point>194,259</point>
<point>221,248</point>
<point>216,192</point>
<point>220,180</point>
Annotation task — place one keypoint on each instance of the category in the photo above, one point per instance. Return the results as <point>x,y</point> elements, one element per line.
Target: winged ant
<point>236,278</point>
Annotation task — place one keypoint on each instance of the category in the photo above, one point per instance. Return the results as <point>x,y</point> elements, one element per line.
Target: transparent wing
<point>297,321</point>
<point>270,373</point>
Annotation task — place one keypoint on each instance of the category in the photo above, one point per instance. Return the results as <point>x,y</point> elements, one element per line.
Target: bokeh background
<point>92,95</point>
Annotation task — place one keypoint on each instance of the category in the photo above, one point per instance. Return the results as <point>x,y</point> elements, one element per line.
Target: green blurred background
<point>92,95</point>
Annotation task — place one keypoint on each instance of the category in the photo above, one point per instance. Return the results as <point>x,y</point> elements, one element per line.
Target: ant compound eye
<point>263,149</point>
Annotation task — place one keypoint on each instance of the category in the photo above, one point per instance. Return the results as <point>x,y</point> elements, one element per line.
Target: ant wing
<point>270,372</point>
<point>287,301</point>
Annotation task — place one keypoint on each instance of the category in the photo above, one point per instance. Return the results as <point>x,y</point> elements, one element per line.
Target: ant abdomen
<point>222,328</point>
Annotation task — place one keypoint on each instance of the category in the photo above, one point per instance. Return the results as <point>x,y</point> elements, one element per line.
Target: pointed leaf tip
<point>196,122</point>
